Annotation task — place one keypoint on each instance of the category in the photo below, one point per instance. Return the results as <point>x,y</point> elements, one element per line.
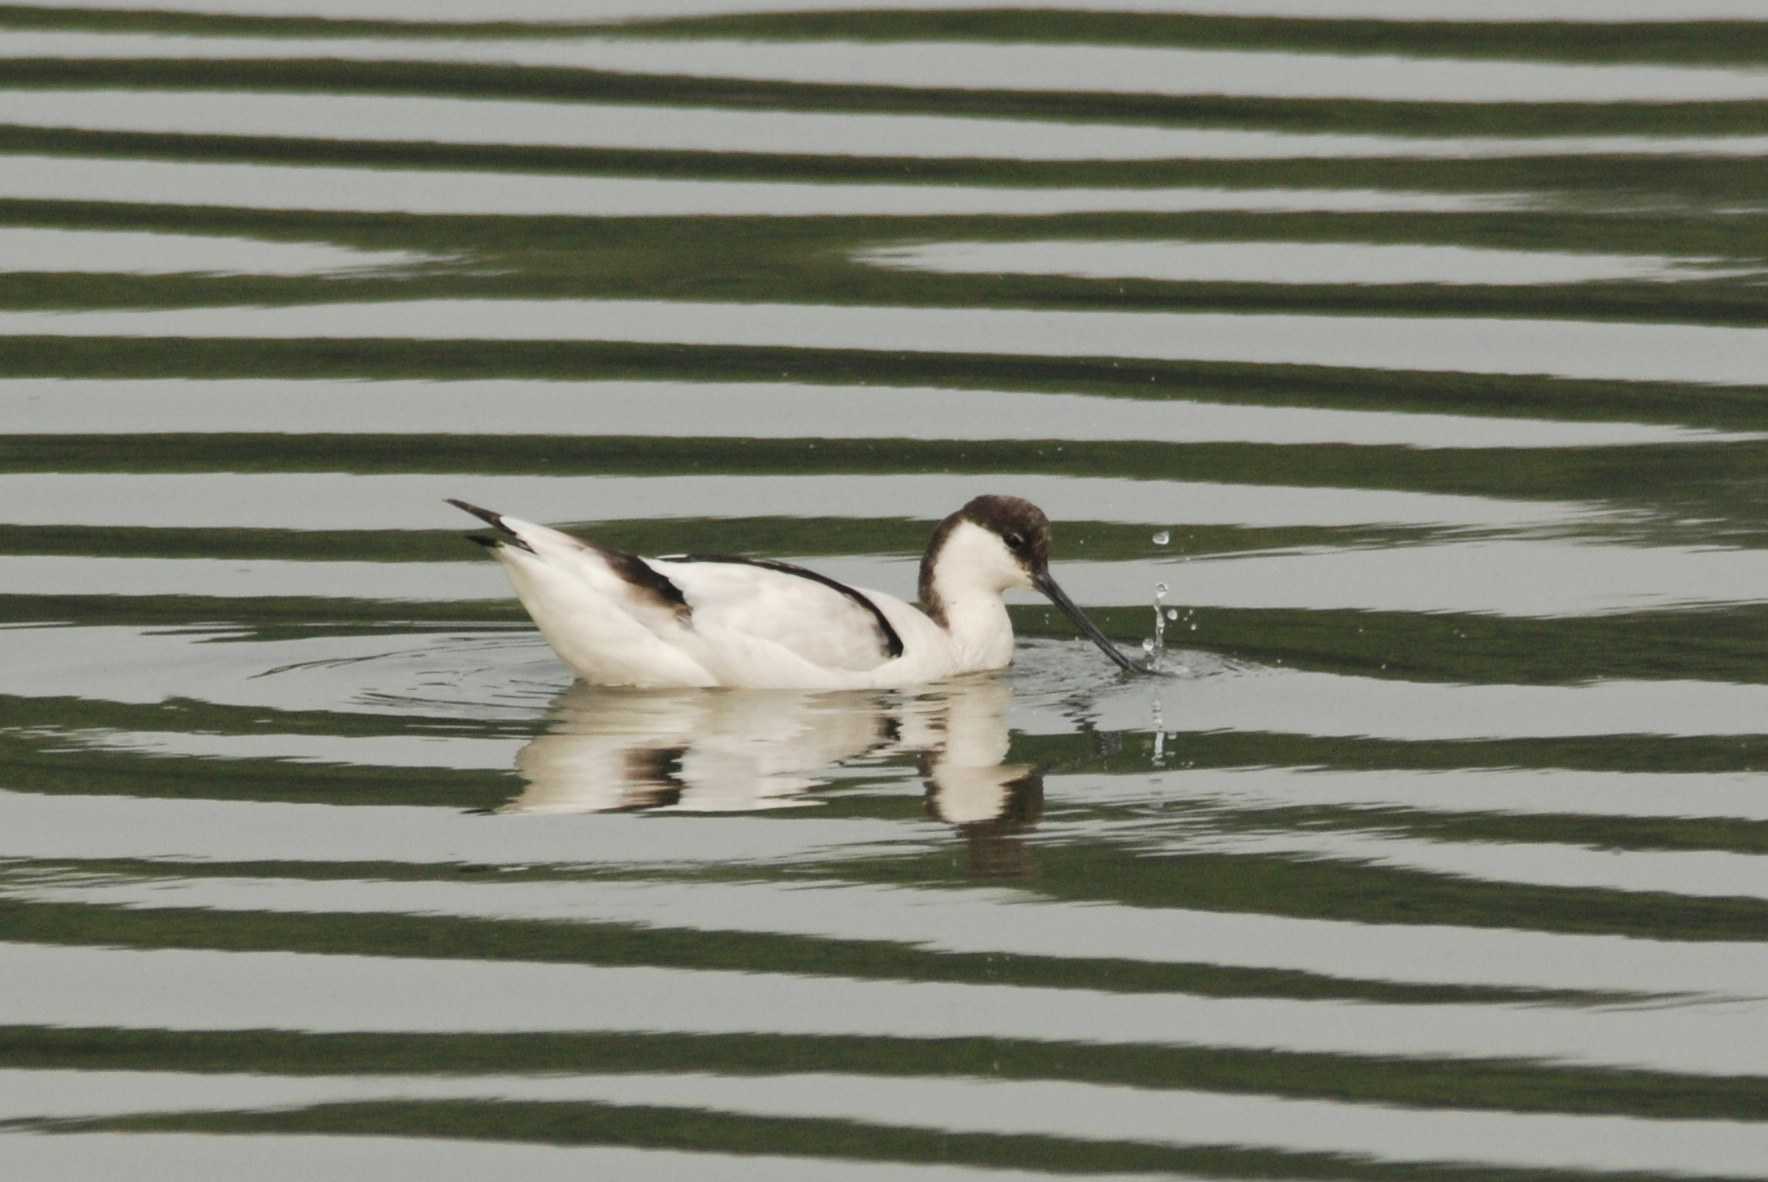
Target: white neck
<point>973,569</point>
<point>980,630</point>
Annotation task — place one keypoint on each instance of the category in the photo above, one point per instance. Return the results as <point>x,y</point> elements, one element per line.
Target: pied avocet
<point>721,620</point>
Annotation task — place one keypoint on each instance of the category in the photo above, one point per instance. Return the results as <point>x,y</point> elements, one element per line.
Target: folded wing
<point>758,601</point>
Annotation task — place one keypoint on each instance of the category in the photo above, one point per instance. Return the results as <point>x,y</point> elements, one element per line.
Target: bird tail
<point>505,535</point>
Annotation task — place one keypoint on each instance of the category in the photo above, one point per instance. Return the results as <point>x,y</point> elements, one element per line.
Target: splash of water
<point>1159,735</point>
<point>1155,646</point>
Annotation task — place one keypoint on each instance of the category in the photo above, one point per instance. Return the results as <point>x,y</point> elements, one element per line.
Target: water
<point>1415,350</point>
<point>1155,646</point>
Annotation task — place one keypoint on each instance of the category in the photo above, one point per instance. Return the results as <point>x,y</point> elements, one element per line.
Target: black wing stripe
<point>886,634</point>
<point>640,574</point>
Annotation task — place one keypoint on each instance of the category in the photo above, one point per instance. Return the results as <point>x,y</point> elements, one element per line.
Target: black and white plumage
<point>718,620</point>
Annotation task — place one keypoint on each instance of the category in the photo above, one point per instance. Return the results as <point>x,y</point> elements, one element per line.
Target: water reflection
<point>1190,261</point>
<point>933,65</point>
<point>759,410</point>
<point>971,787</point>
<point>34,248</point>
<point>409,501</point>
<point>655,127</point>
<point>630,750</point>
<point>610,750</point>
<point>489,194</point>
<point>1591,349</point>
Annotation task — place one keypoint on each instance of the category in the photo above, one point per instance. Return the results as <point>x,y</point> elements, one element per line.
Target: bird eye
<point>1015,541</point>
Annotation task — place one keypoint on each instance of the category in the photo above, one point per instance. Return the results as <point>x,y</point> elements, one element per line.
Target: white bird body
<point>686,620</point>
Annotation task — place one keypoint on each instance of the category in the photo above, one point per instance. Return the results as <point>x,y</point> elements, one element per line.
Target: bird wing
<point>817,619</point>
<point>686,619</point>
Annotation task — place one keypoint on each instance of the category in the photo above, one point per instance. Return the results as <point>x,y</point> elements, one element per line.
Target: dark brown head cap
<point>1016,521</point>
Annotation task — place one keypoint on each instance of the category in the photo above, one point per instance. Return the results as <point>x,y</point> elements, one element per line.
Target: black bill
<point>1043,582</point>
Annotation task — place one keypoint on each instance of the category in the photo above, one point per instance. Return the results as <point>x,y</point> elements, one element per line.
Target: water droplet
<point>1163,537</point>
<point>1172,613</point>
<point>1193,625</point>
<point>1148,645</point>
<point>1160,590</point>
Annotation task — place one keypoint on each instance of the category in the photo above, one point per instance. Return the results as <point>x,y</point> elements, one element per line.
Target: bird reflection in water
<point>970,787</point>
<point>694,750</point>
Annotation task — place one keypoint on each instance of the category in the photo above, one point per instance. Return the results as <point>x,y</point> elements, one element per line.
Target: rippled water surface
<point>1420,349</point>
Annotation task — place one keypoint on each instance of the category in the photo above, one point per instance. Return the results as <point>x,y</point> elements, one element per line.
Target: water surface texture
<point>1420,350</point>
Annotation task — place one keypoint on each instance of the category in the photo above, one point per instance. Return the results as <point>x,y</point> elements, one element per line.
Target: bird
<point>687,620</point>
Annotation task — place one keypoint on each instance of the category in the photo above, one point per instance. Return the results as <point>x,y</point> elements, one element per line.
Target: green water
<point>1419,354</point>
